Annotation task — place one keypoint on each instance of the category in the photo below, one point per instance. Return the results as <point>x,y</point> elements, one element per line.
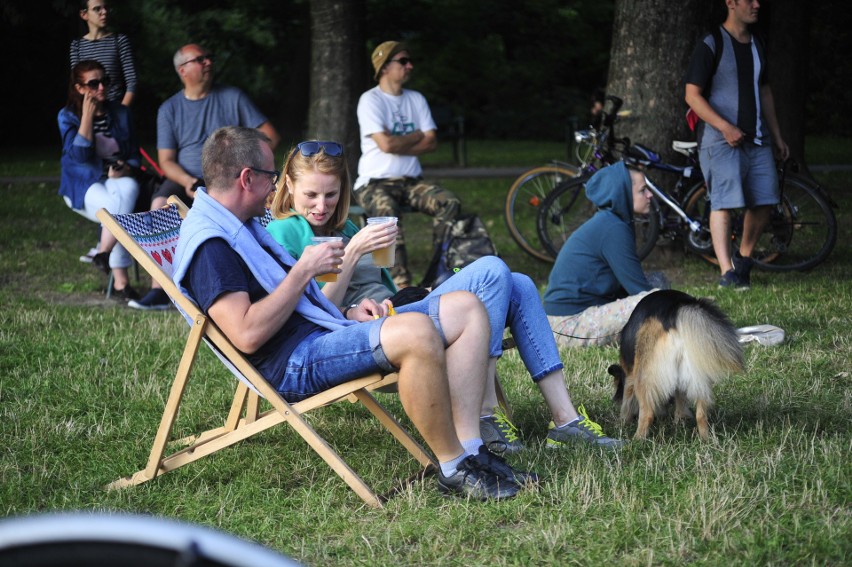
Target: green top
<point>295,232</point>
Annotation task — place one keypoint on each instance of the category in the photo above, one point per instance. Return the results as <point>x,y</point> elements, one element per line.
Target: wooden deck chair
<point>151,238</point>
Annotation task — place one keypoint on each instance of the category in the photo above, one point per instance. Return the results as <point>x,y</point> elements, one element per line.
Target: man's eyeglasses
<point>275,175</point>
<point>403,61</point>
<point>200,59</point>
<point>95,84</point>
<point>312,148</point>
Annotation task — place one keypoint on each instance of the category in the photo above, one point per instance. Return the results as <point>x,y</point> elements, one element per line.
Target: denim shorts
<point>740,177</point>
<point>328,358</point>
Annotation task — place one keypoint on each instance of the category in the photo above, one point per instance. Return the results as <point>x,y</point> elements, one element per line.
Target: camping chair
<point>151,237</point>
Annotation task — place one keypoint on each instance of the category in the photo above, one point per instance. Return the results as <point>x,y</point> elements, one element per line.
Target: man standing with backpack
<point>727,87</point>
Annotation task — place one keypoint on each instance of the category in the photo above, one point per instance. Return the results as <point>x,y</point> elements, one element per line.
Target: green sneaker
<point>583,430</point>
<point>499,434</point>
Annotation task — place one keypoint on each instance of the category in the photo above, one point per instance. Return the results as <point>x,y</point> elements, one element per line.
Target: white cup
<point>331,276</point>
<point>384,257</point>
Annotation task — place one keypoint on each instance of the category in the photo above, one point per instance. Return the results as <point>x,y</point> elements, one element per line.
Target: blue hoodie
<point>598,263</point>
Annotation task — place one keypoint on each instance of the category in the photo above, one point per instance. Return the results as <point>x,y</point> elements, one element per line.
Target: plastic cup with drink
<point>331,276</point>
<point>384,257</point>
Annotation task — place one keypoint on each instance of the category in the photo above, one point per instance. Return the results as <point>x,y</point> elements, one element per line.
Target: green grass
<point>83,382</point>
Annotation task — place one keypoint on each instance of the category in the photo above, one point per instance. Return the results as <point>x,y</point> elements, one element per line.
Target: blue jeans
<point>512,300</point>
<point>328,358</point>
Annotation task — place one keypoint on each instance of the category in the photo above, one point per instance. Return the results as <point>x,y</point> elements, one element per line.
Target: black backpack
<point>458,243</point>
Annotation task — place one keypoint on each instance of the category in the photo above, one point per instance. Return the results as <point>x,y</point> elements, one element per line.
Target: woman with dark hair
<point>99,148</point>
<point>112,50</point>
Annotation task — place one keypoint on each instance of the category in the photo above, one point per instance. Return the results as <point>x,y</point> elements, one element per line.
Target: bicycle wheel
<point>523,202</point>
<point>566,208</point>
<point>801,233</point>
<point>802,230</point>
<point>698,208</point>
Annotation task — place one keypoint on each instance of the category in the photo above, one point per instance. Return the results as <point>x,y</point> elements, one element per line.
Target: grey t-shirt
<point>183,125</point>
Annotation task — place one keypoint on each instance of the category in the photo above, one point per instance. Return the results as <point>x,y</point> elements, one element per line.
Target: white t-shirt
<point>398,115</point>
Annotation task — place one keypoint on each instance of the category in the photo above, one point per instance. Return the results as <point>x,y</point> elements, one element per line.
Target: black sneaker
<point>742,267</point>
<point>101,261</point>
<point>125,294</point>
<point>154,300</point>
<point>502,469</point>
<point>472,480</point>
<point>732,280</point>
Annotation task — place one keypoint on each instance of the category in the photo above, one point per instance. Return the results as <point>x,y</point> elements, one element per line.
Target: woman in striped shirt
<point>112,50</point>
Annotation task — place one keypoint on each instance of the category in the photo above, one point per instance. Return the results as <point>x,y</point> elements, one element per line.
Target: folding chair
<point>151,237</point>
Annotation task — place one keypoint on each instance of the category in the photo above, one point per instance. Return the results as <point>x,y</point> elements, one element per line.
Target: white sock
<point>449,468</point>
<point>471,446</point>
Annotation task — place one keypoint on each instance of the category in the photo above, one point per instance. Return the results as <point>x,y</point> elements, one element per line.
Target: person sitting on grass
<point>597,278</point>
<point>313,200</point>
<point>270,308</point>
<point>98,147</point>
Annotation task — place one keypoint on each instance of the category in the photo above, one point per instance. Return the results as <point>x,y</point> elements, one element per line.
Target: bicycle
<point>593,148</point>
<point>800,235</point>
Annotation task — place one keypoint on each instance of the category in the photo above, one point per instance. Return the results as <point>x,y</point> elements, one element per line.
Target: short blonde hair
<point>297,165</point>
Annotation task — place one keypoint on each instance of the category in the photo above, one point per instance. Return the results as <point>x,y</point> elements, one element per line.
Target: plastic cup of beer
<point>331,276</point>
<point>384,257</point>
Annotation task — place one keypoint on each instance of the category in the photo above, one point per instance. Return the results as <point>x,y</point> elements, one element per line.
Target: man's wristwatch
<point>346,309</point>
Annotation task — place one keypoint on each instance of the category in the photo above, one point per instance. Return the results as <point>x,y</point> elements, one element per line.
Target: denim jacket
<point>81,167</point>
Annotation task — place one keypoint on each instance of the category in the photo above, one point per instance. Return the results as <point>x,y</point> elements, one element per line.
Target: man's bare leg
<point>720,232</point>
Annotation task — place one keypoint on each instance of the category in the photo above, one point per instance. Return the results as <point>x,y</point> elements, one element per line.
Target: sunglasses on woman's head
<point>95,84</point>
<point>309,149</point>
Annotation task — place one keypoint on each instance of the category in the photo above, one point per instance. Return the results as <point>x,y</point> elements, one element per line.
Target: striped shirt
<point>114,53</point>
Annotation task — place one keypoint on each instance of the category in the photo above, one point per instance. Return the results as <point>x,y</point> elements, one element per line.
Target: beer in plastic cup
<point>384,257</point>
<point>331,276</point>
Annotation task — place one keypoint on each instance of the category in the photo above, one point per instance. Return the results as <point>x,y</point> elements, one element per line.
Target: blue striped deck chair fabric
<point>151,238</point>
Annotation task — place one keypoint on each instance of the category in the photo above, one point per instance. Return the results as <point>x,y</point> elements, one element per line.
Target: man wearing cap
<point>397,126</point>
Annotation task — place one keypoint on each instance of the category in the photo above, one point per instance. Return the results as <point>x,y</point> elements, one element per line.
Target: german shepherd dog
<point>673,345</point>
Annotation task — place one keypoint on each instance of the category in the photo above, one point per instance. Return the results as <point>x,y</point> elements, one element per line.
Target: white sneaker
<point>87,259</point>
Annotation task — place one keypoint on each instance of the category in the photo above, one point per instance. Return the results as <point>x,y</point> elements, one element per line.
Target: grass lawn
<point>83,381</point>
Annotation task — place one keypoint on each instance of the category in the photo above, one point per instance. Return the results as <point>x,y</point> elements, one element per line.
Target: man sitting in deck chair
<point>270,308</point>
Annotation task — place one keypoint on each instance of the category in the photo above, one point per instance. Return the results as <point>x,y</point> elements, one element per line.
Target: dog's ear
<point>617,374</point>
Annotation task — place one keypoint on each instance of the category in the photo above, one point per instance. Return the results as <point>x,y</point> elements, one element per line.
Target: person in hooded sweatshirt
<point>597,278</point>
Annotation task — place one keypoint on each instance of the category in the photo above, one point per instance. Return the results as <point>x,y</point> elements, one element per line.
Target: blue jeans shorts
<point>740,177</point>
<point>329,358</point>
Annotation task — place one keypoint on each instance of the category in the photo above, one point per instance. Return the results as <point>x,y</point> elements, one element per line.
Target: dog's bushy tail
<point>711,349</point>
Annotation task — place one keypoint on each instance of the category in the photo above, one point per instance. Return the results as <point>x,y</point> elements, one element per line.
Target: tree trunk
<point>788,25</point>
<point>337,64</point>
<point>652,43</point>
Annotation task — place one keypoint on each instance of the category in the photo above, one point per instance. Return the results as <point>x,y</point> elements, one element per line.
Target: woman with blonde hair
<point>312,199</point>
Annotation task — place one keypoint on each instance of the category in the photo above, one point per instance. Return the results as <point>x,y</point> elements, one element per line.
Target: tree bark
<point>337,73</point>
<point>788,25</point>
<point>652,43</point>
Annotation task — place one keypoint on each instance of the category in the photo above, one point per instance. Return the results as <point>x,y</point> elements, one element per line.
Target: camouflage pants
<point>598,325</point>
<point>388,197</point>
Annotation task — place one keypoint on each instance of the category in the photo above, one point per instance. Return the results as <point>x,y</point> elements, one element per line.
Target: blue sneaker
<point>154,300</point>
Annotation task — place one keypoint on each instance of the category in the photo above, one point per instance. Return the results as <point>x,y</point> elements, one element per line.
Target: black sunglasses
<point>94,84</point>
<point>403,61</point>
<point>309,149</point>
<point>200,59</point>
<point>275,175</point>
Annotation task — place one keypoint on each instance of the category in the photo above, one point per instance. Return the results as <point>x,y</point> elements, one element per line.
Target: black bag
<point>458,243</point>
<point>149,182</point>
